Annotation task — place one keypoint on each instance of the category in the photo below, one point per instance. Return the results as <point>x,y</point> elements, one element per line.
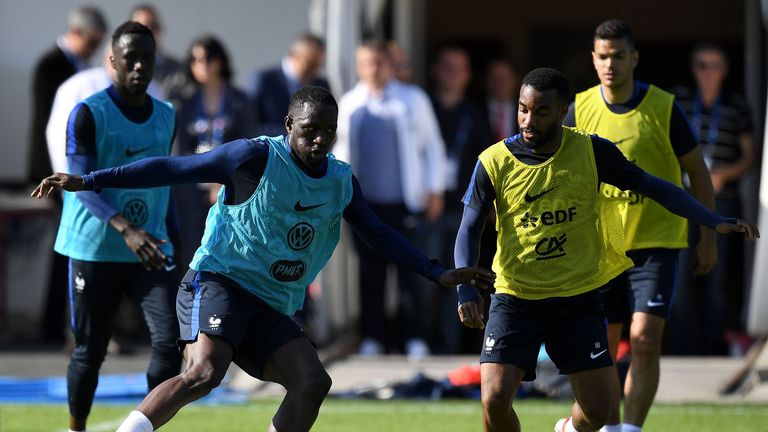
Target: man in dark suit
<point>85,30</point>
<point>273,87</point>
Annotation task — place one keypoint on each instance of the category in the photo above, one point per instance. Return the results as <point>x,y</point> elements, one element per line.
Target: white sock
<point>611,428</point>
<point>569,425</point>
<point>626,427</point>
<point>136,422</point>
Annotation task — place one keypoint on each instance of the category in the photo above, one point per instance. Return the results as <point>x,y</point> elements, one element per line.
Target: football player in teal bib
<point>113,239</point>
<point>274,226</point>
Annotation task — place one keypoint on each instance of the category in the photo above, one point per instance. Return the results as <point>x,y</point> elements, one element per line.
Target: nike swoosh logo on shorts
<point>652,303</point>
<point>170,267</point>
<point>594,356</point>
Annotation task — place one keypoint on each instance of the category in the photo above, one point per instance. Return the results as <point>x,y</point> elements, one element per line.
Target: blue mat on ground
<point>117,389</point>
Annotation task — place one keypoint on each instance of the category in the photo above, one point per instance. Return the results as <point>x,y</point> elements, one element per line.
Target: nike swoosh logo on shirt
<point>594,356</point>
<point>170,267</point>
<point>532,198</point>
<point>132,153</point>
<point>300,208</point>
<point>652,303</point>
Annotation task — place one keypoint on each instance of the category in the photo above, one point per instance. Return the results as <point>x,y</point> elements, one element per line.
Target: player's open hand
<point>476,276</point>
<point>471,314</point>
<point>68,182</point>
<point>146,247</point>
<point>740,226</point>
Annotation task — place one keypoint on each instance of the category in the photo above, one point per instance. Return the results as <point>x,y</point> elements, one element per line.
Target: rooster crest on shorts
<point>79,283</point>
<point>214,322</point>
<point>489,343</point>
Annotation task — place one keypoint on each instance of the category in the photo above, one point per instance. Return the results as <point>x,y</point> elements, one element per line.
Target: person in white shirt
<point>388,131</point>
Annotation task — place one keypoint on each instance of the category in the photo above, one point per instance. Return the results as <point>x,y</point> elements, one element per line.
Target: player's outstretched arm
<point>395,247</point>
<point>215,166</point>
<point>681,203</point>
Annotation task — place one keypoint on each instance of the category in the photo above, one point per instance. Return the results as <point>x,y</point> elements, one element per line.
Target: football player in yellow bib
<point>651,130</point>
<point>559,241</point>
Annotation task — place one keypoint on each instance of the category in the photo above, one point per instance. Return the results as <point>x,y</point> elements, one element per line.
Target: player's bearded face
<point>534,137</point>
<point>538,115</point>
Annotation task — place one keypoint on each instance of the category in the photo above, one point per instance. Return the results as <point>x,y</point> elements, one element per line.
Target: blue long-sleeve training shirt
<point>239,166</point>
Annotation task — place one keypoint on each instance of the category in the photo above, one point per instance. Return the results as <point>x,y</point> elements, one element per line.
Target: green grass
<point>400,416</point>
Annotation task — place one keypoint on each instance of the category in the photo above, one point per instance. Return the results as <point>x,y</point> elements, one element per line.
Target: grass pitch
<point>347,416</point>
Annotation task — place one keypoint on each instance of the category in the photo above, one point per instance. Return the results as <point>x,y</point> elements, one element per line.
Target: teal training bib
<point>119,141</point>
<point>276,242</point>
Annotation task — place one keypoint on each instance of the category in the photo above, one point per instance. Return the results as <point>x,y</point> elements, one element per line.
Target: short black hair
<point>131,27</point>
<point>615,29</point>
<point>312,95</point>
<point>214,50</point>
<point>543,79</point>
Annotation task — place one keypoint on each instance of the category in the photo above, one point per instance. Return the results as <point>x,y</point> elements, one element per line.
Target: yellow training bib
<point>642,135</point>
<point>557,235</point>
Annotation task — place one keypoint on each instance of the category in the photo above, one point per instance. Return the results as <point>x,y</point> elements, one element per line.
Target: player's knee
<point>204,376</point>
<point>495,402</point>
<point>87,357</point>
<point>315,386</point>
<point>645,345</point>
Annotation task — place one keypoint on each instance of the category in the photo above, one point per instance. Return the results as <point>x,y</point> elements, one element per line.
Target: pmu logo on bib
<point>287,271</point>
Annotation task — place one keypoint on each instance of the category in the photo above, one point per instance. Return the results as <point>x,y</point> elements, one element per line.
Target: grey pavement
<point>683,379</point>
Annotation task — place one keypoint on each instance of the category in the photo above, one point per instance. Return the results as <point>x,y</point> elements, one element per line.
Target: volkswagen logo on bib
<point>135,211</point>
<point>300,236</point>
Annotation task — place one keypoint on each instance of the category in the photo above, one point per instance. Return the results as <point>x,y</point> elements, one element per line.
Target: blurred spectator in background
<point>501,83</point>
<point>400,62</point>
<point>389,133</point>
<point>273,87</point>
<point>85,30</point>
<point>215,113</point>
<point>711,306</point>
<point>78,87</point>
<point>170,74</point>
<point>465,134</point>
